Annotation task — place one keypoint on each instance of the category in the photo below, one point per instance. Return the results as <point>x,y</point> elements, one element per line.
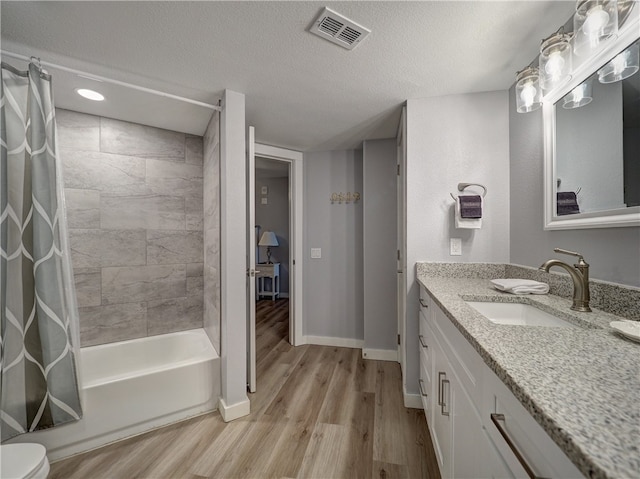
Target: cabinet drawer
<point>425,389</point>
<point>461,354</point>
<point>425,338</point>
<point>523,434</point>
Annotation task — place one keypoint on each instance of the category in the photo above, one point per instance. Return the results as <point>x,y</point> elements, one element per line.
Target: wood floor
<point>319,412</point>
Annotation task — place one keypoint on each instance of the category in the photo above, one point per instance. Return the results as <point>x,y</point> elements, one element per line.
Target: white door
<point>401,232</point>
<point>251,261</point>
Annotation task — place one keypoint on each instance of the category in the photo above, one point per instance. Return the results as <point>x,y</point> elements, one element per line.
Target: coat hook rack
<point>462,186</point>
<point>344,197</point>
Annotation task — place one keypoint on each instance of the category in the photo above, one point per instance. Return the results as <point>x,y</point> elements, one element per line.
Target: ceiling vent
<point>338,29</point>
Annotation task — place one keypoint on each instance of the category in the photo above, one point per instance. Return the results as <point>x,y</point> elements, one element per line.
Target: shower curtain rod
<point>91,76</point>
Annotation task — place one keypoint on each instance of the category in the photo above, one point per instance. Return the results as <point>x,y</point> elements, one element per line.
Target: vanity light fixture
<point>622,66</point>
<point>528,92</point>
<point>594,22</point>
<point>579,96</point>
<point>555,60</point>
<point>90,94</point>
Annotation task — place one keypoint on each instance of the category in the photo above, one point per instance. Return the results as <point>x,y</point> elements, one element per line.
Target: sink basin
<point>517,314</point>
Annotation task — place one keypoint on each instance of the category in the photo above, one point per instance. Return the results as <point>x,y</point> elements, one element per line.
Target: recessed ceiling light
<point>90,94</point>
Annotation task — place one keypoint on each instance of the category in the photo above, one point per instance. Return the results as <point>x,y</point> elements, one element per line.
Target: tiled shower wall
<point>134,206</point>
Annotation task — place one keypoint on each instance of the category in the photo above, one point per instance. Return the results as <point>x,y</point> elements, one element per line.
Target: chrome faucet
<point>579,274</point>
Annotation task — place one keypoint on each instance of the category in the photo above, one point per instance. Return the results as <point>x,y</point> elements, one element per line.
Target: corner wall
<point>452,139</point>
<point>613,253</point>
<point>333,284</point>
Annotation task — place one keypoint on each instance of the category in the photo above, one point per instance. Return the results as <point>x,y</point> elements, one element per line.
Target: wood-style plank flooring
<point>319,412</point>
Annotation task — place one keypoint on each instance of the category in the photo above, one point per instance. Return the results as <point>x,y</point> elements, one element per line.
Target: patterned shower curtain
<point>39,322</point>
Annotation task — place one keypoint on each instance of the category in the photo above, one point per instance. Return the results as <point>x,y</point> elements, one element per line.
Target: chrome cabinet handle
<point>497,419</point>
<point>424,305</point>
<point>440,374</point>
<point>420,382</point>
<point>444,404</point>
<point>422,343</point>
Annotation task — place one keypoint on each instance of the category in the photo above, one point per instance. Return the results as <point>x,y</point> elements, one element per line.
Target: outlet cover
<point>455,246</point>
<point>265,200</point>
<point>316,253</point>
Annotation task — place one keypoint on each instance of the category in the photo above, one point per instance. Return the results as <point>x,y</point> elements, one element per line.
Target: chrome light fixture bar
<point>555,60</point>
<point>528,91</point>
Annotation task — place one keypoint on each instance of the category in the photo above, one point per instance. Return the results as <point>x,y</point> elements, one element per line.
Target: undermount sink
<point>517,314</point>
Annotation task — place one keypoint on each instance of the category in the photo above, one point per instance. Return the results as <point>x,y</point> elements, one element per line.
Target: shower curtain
<point>39,321</point>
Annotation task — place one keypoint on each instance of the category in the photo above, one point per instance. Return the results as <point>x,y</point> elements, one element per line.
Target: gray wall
<point>379,198</point>
<point>134,203</point>
<point>211,223</point>
<point>451,139</point>
<point>274,216</point>
<point>333,291</point>
<point>613,253</point>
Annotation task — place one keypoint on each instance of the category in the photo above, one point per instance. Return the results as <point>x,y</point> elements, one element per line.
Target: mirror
<point>592,141</point>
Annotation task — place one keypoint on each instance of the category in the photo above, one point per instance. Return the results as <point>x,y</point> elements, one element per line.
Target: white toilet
<point>23,461</point>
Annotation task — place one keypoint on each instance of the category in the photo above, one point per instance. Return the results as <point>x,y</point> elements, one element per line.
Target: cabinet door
<point>442,424</point>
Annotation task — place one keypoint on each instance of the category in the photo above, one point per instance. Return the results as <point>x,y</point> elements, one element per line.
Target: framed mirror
<point>592,139</point>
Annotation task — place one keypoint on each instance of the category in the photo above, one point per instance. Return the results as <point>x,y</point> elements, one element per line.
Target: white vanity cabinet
<point>463,400</point>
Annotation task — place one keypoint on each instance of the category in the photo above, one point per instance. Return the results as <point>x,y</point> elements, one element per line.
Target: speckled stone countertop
<point>582,384</point>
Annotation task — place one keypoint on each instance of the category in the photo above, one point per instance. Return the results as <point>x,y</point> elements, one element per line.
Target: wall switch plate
<point>265,201</point>
<point>455,246</point>
<point>316,253</point>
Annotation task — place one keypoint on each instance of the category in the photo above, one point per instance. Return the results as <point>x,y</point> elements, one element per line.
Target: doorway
<point>273,240</point>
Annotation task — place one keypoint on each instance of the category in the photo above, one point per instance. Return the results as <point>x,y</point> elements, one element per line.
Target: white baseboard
<point>380,354</point>
<point>413,401</point>
<point>331,341</point>
<point>229,413</point>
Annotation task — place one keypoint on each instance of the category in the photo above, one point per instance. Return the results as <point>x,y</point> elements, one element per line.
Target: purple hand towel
<point>470,206</point>
<point>567,203</point>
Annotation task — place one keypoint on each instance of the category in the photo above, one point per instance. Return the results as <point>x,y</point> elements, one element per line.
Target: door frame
<point>296,227</point>
<point>401,142</point>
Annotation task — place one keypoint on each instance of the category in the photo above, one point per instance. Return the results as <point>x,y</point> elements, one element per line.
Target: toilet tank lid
<point>18,461</point>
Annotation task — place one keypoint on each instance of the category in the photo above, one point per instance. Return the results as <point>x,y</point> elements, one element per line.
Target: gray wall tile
<point>77,130</point>
<point>107,324</point>
<point>138,140</point>
<point>96,247</point>
<point>174,179</point>
<point>142,212</point>
<point>194,214</point>
<point>110,174</point>
<point>170,247</point>
<point>135,210</point>
<point>193,153</point>
<point>167,316</point>
<point>88,288</point>
<point>195,269</point>
<point>83,208</point>
<point>143,283</point>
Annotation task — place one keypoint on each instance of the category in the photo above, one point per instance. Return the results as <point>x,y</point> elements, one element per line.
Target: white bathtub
<point>133,386</point>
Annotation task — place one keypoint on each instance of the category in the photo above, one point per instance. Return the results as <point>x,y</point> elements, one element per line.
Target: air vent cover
<point>338,29</point>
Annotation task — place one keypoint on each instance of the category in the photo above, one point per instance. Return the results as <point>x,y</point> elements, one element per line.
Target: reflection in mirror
<point>598,140</point>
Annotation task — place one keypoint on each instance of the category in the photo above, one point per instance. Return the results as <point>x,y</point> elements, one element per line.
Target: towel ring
<point>462,186</point>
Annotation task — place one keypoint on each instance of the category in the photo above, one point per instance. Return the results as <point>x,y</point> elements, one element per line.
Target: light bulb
<point>554,65</point>
<point>528,94</point>
<point>596,19</point>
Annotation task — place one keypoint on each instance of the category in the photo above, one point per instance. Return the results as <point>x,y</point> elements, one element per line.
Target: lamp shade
<point>528,92</point>
<point>579,96</point>
<point>555,60</point>
<point>594,22</point>
<point>622,66</point>
<point>268,238</point>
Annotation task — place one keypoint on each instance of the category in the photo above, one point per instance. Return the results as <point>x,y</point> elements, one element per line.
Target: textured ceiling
<point>301,92</point>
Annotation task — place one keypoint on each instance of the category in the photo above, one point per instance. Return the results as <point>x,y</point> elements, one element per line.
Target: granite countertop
<point>582,384</point>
